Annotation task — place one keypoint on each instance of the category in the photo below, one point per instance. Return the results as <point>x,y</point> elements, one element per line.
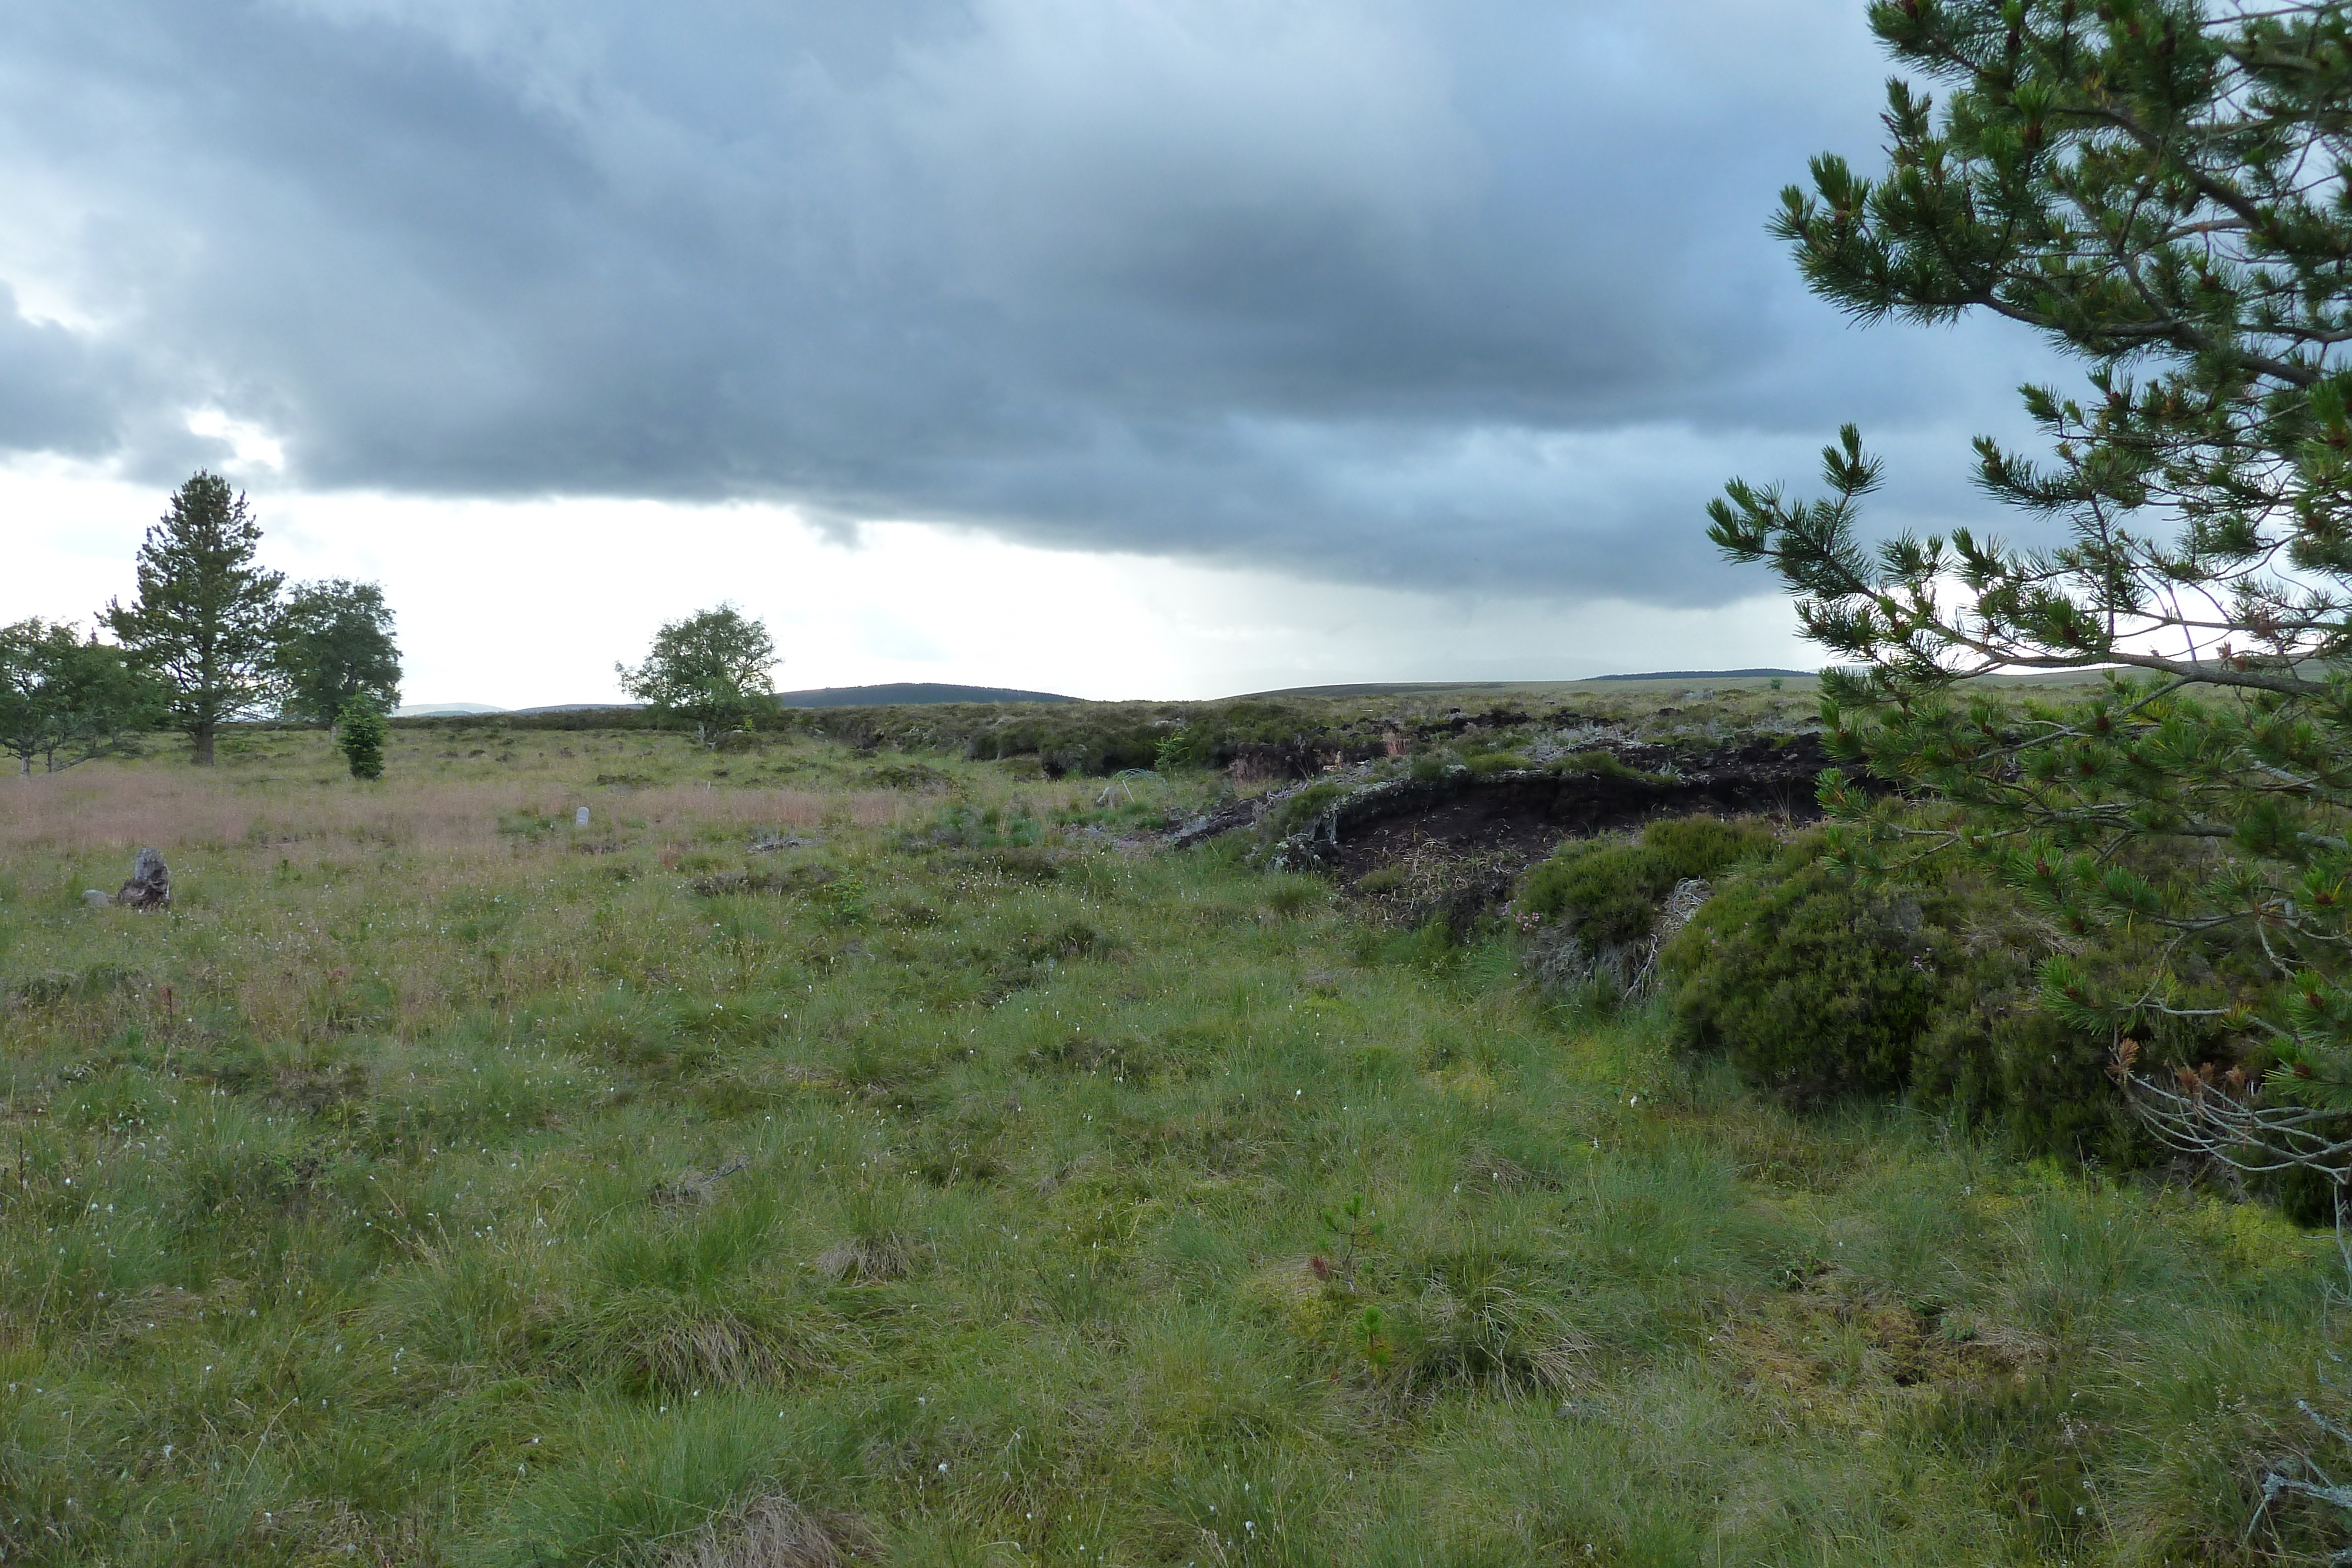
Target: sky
<point>1123,348</point>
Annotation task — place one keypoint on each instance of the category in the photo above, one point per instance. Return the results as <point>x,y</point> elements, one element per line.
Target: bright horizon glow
<point>526,604</point>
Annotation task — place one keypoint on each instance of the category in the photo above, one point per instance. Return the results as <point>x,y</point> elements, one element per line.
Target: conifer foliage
<point>207,618</point>
<point>2162,188</point>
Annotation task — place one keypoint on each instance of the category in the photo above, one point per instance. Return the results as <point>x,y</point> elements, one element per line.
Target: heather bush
<point>1815,986</point>
<point>1607,891</point>
<point>1806,985</point>
<point>1303,807</point>
<point>1597,765</point>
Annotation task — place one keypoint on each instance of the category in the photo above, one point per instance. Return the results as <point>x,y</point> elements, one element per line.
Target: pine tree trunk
<point>201,735</point>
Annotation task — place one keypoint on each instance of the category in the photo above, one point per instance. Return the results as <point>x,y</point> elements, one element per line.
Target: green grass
<point>439,1184</point>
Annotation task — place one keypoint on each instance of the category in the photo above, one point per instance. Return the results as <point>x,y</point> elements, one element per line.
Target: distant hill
<point>1422,688</point>
<point>583,708</point>
<point>910,692</point>
<point>1406,688</point>
<point>893,694</point>
<point>1705,674</point>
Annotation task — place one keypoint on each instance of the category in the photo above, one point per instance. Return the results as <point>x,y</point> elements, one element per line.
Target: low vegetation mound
<point>1609,892</point>
<point>1815,986</point>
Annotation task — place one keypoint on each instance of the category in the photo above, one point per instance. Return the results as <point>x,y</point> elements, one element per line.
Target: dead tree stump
<point>150,886</point>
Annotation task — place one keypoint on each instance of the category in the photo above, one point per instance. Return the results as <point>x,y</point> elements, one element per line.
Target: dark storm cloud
<point>1433,292</point>
<point>58,392</point>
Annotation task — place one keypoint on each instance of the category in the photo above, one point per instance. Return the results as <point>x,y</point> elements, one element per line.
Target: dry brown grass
<point>1851,1357</point>
<point>97,808</point>
<point>318,844</point>
<point>772,1533</point>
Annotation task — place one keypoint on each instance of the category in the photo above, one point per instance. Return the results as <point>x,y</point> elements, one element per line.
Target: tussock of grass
<point>426,1194</point>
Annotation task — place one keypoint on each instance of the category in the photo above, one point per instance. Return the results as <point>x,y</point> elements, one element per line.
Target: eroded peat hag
<point>1529,810</point>
<point>1459,833</point>
<point>791,1167</point>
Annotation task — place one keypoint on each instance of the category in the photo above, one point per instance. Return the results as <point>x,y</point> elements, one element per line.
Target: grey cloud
<point>1442,292</point>
<point>54,387</point>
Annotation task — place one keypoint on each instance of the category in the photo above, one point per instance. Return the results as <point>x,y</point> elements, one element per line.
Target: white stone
<point>580,818</point>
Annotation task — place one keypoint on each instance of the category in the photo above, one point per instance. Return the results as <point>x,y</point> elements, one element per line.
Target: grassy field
<point>440,1183</point>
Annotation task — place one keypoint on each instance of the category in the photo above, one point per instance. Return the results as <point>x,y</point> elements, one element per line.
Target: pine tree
<point>206,619</point>
<point>2165,193</point>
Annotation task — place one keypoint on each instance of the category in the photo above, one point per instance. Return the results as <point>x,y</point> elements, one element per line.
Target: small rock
<point>580,818</point>
<point>150,886</point>
<point>94,898</point>
<point>770,843</point>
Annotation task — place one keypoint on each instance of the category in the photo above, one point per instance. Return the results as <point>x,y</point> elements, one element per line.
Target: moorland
<point>875,1140</point>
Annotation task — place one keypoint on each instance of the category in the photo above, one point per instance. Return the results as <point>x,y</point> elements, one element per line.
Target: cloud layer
<point>1439,293</point>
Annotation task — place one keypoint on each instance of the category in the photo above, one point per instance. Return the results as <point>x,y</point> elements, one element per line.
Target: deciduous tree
<point>335,644</point>
<point>64,700</point>
<point>710,670</point>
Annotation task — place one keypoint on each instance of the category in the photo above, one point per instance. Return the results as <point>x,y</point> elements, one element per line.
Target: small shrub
<point>1995,1053</point>
<point>1703,846</point>
<point>958,825</point>
<point>1609,892</point>
<point>1815,986</point>
<point>1303,807</point>
<point>1805,985</point>
<point>362,737</point>
<point>1598,765</point>
<point>1194,746</point>
<point>529,824</point>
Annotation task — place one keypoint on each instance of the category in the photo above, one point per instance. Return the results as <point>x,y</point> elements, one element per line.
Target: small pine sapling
<point>1353,1228</point>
